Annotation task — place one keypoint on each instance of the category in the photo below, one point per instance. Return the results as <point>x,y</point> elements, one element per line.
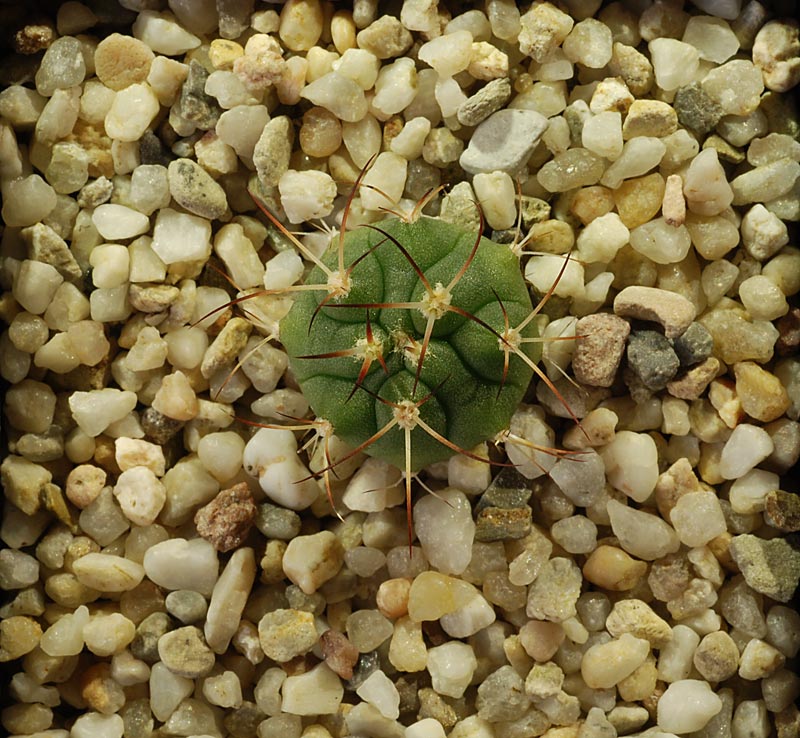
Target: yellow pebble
<point>223,53</point>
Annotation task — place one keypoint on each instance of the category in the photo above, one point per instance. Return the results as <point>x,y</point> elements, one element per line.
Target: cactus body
<point>462,390</point>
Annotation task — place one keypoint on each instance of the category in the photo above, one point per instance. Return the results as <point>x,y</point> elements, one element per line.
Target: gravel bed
<point>171,569</point>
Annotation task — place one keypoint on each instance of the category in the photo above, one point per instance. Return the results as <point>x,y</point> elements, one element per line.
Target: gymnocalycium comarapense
<point>416,361</point>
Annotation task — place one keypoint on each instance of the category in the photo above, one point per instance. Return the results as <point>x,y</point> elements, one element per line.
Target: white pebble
<point>606,664</point>
<point>661,242</point>
<point>140,495</point>
<point>163,34</point>
<point>306,195</point>
<point>449,54</point>
<point>449,510</point>
<point>496,196</point>
<point>675,63</point>
<point>686,706</point>
<point>747,447</point>
<point>395,87</point>
<point>181,564</point>
<point>378,690</point>
<point>602,134</point>
<point>631,462</point>
<point>316,692</point>
<point>641,534</point>
<point>451,667</point>
<point>181,237</point>
<point>542,272</point>
<point>697,518</point>
<point>339,94</point>
<point>283,270</point>
<point>94,411</point>
<point>132,112</point>
<point>271,455</point>
<point>748,493</point>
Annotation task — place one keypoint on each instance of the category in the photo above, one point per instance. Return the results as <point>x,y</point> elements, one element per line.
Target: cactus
<point>423,350</point>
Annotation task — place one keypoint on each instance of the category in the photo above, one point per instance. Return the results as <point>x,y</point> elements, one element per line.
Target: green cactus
<point>418,343</point>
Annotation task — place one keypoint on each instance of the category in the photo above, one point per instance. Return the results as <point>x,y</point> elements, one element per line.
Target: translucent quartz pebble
<point>766,182</point>
<point>736,86</point>
<point>570,169</point>
<point>631,464</point>
<point>661,242</point>
<point>747,447</point>
<point>339,94</point>
<point>712,37</point>
<point>639,156</point>
<point>449,54</point>
<point>642,534</point>
<point>61,67</point>
<point>687,705</point>
<point>705,185</point>
<point>449,510</point>
<point>675,63</point>
<point>181,564</point>
<point>118,222</point>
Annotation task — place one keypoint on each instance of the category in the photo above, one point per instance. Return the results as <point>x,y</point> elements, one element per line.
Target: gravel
<point>172,568</point>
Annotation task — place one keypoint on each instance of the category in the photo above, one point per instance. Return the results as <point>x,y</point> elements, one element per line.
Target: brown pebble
<point>670,310</point>
<point>33,38</point>
<point>227,519</point>
<point>691,385</point>
<point>787,722</point>
<point>783,510</point>
<point>789,333</point>
<point>121,61</point>
<point>339,653</point>
<point>599,347</point>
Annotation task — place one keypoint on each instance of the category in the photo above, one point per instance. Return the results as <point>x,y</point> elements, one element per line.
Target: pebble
<point>694,345</point>
<point>642,534</point>
<point>378,690</point>
<point>782,510</point>
<point>194,189</point>
<point>775,53</point>
<point>489,99</point>
<point>611,568</point>
<point>686,706</point>
<point>316,692</point>
<point>180,564</point>
<point>759,660</point>
<point>140,495</point>
<point>553,594</point>
<point>310,561</point>
<point>227,519</point>
<point>771,567</point>
<point>340,95</point>
<point>385,38</point>
<point>651,356</point>
<point>518,130</point>
<point>606,664</point>
<point>669,309</point>
<point>716,657</point>
<point>638,618</point>
<point>762,395</point>
<point>501,696</point>
<point>764,183</point>
<point>450,510</point>
<point>705,185</point>
<point>285,634</point>
<point>186,605</point>
<point>185,653</point>
<point>107,572</point>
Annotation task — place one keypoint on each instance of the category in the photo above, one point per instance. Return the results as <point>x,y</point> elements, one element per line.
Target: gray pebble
<point>195,190</point>
<point>509,489</point>
<point>694,346</point>
<point>277,522</point>
<point>187,606</point>
<point>234,17</point>
<point>159,428</point>
<point>42,447</point>
<point>490,98</point>
<point>652,358</point>
<point>771,567</point>
<point>504,141</point>
<point>501,696</point>
<point>696,109</point>
<point>152,151</point>
<point>45,245</point>
<point>62,66</point>
<point>273,150</point>
<point>95,193</point>
<point>145,643</point>
<point>195,105</point>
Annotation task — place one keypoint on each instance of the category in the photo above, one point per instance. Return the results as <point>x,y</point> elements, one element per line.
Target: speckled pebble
<point>599,348</point>
<point>694,345</point>
<point>652,358</point>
